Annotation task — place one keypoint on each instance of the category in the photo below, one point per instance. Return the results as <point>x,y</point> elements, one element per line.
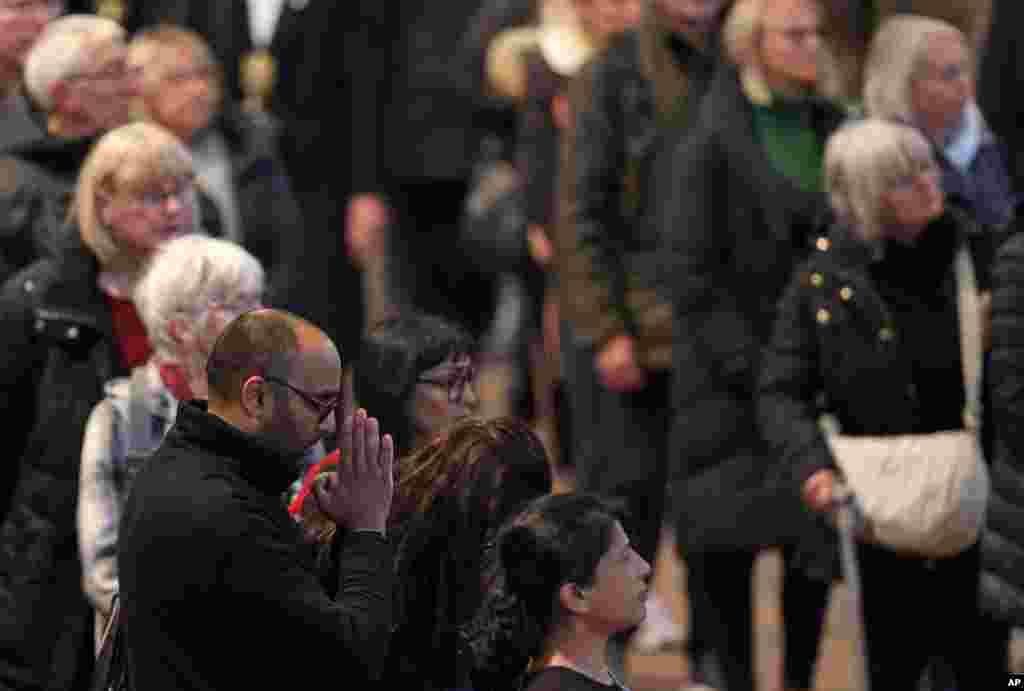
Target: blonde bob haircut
<point>125,159</point>
<point>187,276</point>
<point>741,38</point>
<point>741,32</point>
<point>863,159</point>
<point>66,47</point>
<point>893,60</point>
<point>152,50</point>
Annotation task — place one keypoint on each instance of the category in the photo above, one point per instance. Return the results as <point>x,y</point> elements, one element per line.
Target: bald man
<point>218,590</point>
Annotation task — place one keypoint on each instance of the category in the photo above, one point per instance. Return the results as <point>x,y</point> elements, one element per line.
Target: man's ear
<point>254,397</point>
<point>573,598</point>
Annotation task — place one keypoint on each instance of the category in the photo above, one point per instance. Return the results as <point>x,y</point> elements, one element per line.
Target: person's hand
<point>617,365</point>
<point>358,496</point>
<point>366,221</point>
<point>539,244</point>
<point>819,490</point>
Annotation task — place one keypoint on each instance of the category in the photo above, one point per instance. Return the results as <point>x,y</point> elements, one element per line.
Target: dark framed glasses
<point>321,407</point>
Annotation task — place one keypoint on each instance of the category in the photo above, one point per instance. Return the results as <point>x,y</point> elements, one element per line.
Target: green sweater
<point>793,148</point>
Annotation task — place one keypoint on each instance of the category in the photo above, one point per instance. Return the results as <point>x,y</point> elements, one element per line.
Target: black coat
<point>218,590</point>
<point>836,350</point>
<point>1003,542</point>
<point>430,124</point>
<point>56,353</point>
<point>268,211</point>
<point>998,82</point>
<point>37,181</point>
<point>734,230</point>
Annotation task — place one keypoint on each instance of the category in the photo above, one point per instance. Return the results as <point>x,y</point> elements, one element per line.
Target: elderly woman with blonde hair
<point>194,286</point>
<point>739,212</point>
<point>921,72</point>
<point>869,334</point>
<point>68,324</point>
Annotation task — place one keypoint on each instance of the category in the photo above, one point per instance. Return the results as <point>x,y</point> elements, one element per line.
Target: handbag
<point>113,670</point>
<point>926,494</point>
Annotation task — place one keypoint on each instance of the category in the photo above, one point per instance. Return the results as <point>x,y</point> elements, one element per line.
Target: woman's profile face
<point>617,598</point>
<point>443,394</point>
<point>186,96</point>
<point>912,202</point>
<point>942,85</point>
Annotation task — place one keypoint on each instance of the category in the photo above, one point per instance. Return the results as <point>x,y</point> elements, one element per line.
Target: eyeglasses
<point>156,199</point>
<point>321,407</point>
<point>796,34</point>
<point>918,175</point>
<point>188,74</point>
<point>455,384</point>
<point>114,73</point>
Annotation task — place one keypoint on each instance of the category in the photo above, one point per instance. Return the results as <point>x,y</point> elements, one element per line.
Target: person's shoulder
<point>177,481</point>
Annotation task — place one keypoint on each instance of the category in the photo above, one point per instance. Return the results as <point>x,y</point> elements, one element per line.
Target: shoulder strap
<point>970,335</point>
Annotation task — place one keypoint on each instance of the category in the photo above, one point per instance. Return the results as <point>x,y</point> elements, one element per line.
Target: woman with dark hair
<point>450,498</point>
<point>569,581</point>
<point>416,373</point>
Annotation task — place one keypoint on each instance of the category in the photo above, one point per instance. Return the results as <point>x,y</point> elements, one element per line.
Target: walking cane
<point>850,523</point>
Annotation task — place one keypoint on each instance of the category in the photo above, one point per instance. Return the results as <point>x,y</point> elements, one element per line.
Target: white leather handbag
<point>927,494</point>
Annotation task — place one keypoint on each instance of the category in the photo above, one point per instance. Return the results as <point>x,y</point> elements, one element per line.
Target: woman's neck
<point>118,283</point>
<point>580,651</point>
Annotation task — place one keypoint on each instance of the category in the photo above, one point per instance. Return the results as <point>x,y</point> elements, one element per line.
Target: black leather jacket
<point>56,352</point>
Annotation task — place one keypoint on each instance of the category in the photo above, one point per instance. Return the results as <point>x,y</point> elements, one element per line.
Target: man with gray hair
<point>78,86</point>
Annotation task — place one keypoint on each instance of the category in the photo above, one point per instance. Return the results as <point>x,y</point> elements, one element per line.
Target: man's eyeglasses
<point>322,407</point>
<point>455,383</point>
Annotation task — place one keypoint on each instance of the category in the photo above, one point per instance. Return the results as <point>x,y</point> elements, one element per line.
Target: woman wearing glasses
<point>194,287</point>
<point>68,324</point>
<point>416,372</point>
<point>920,72</point>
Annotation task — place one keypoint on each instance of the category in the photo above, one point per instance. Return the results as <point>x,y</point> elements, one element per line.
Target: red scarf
<point>173,377</point>
<point>129,333</point>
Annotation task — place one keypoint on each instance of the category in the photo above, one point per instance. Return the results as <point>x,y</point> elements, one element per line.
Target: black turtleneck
<point>218,590</point>
<point>918,286</point>
<point>267,468</point>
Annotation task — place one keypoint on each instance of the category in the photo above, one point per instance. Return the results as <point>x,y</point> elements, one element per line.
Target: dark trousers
<point>621,446</point>
<point>433,272</point>
<point>721,601</point>
<point>916,610</point>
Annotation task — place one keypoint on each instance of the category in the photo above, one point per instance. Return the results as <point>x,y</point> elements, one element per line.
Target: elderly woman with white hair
<point>79,86</point>
<point>68,324</point>
<point>194,287</point>
<point>920,71</point>
<point>869,334</point>
<point>739,212</point>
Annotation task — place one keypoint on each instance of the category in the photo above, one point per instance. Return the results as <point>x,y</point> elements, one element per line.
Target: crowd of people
<point>399,337</point>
